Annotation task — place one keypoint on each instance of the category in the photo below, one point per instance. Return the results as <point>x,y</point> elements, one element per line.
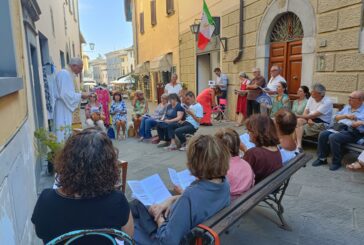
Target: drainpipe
<point>241,30</point>
<point>361,33</point>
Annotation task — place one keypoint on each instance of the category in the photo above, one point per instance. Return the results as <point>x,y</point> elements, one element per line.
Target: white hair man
<point>275,79</point>
<point>67,100</point>
<point>316,116</point>
<point>348,128</point>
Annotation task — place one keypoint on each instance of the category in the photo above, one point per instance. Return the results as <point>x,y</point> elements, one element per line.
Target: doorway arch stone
<point>305,12</point>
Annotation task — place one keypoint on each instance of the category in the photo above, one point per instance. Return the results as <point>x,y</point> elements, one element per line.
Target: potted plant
<point>48,146</point>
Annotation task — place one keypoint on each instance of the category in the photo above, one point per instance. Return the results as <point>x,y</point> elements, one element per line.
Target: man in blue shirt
<point>348,128</point>
<point>194,113</point>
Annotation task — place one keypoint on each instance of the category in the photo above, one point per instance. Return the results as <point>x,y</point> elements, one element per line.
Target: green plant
<point>49,146</point>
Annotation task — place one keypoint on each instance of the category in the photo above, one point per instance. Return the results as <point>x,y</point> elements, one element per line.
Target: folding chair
<point>218,112</point>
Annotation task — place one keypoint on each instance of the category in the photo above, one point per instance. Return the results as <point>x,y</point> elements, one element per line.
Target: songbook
<point>182,179</point>
<point>245,139</point>
<point>150,190</point>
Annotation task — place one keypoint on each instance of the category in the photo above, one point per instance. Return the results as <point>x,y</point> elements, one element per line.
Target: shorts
<point>313,130</point>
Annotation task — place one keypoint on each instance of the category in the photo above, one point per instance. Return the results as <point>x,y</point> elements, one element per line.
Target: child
<point>240,175</point>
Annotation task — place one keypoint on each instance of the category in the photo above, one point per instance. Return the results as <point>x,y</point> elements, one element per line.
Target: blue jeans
<point>329,141</point>
<point>166,130</point>
<point>145,129</point>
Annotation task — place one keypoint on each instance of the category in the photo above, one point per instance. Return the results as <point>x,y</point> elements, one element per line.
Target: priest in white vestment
<point>67,100</point>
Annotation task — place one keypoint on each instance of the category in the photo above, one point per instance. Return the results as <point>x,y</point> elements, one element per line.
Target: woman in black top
<point>86,198</point>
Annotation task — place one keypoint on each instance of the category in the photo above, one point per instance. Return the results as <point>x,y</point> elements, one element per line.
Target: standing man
<point>67,100</point>
<point>253,107</point>
<point>275,78</point>
<point>348,128</point>
<point>222,82</point>
<point>173,87</point>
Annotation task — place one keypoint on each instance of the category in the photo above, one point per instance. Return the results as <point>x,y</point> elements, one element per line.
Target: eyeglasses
<point>274,70</point>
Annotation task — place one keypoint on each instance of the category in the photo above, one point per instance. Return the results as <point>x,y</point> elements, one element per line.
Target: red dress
<point>205,99</point>
<point>104,98</point>
<point>241,105</point>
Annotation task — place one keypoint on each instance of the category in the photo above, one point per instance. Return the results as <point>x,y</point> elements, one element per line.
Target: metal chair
<point>218,112</point>
<point>114,236</point>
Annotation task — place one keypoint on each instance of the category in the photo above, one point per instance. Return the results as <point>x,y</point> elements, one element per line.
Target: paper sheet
<point>245,139</point>
<point>182,179</point>
<point>150,190</point>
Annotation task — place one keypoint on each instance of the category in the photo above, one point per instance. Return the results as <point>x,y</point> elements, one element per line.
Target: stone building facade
<point>330,50</point>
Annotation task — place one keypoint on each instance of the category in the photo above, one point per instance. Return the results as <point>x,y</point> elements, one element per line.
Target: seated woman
<point>265,157</point>
<point>94,113</point>
<point>240,175</point>
<point>86,197</point>
<point>118,112</point>
<point>148,122</point>
<point>281,100</point>
<point>286,122</point>
<point>169,121</point>
<point>140,108</point>
<point>299,104</point>
<point>208,161</point>
<point>207,98</point>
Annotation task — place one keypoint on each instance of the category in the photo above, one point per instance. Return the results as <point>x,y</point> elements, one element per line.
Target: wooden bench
<point>270,191</point>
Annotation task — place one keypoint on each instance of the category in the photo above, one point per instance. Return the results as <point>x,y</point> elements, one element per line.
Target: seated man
<point>194,113</point>
<point>348,128</point>
<point>317,115</point>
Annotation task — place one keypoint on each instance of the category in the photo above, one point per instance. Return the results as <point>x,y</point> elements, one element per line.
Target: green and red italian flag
<point>207,27</point>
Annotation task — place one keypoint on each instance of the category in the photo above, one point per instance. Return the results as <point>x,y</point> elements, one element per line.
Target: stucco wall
<point>160,39</point>
<point>330,47</point>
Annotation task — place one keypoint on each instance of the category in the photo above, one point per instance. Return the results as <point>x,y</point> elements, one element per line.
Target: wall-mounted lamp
<point>92,46</point>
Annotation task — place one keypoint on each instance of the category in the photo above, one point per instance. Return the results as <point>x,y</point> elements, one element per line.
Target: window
<point>128,10</point>
<point>153,12</point>
<point>9,82</point>
<point>52,22</point>
<point>73,50</point>
<point>61,56</point>
<point>70,6</point>
<point>141,24</point>
<point>170,7</point>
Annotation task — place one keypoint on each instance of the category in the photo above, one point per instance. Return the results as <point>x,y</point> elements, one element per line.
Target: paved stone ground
<point>321,206</point>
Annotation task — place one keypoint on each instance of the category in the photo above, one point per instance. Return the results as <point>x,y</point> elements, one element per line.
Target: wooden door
<point>288,56</point>
<point>294,66</point>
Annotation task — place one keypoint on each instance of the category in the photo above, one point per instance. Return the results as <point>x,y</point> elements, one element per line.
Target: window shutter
<point>170,7</point>
<point>141,24</point>
<point>153,13</point>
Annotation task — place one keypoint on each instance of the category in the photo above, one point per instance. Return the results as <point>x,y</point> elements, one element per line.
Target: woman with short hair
<point>148,122</point>
<point>118,112</point>
<point>208,161</point>
<point>240,175</point>
<point>265,157</point>
<point>86,197</point>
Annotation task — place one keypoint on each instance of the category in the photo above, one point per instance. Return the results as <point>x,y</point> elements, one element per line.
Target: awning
<point>124,80</point>
<point>142,68</point>
<point>161,63</point>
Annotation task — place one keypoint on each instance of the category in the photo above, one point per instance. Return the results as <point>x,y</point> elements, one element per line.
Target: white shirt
<point>222,80</point>
<point>325,107</point>
<point>273,82</point>
<point>173,89</point>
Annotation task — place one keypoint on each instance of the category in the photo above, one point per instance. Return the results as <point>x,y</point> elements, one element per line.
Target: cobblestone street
<point>321,206</point>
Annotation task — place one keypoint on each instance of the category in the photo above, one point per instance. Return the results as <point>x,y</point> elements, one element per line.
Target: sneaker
<point>141,139</point>
<point>171,147</point>
<point>163,143</point>
<point>319,162</point>
<point>183,148</point>
<point>335,167</point>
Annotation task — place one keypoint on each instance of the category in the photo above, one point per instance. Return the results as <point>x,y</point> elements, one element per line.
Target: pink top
<point>240,176</point>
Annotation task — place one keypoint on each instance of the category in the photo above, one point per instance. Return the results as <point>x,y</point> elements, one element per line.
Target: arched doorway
<point>286,49</point>
<point>304,10</point>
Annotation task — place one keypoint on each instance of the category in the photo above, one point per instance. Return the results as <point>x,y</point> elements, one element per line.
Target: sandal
<point>354,166</point>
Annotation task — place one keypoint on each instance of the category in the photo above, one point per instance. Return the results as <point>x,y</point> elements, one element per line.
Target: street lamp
<point>92,46</point>
<point>195,27</point>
